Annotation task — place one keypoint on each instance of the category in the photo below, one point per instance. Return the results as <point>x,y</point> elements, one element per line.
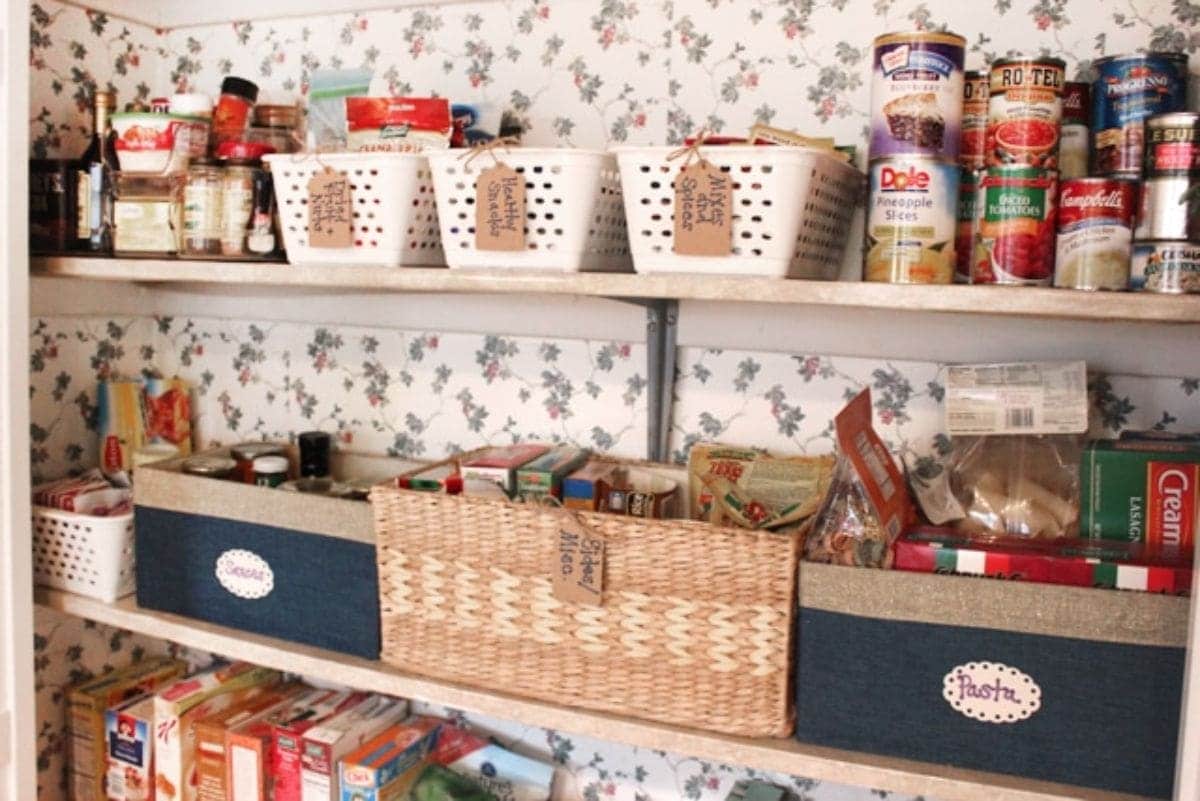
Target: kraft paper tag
<point>578,568</point>
<point>500,209</point>
<point>703,211</point>
<point>329,211</point>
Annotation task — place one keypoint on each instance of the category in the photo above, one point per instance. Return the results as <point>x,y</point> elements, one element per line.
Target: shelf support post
<point>662,320</point>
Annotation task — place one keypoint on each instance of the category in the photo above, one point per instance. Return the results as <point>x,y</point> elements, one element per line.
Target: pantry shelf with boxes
<point>464,402</point>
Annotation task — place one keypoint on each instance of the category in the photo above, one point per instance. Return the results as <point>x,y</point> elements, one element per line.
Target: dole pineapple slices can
<point>911,221</point>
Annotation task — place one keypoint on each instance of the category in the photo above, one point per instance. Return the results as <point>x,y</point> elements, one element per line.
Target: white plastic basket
<point>575,220</point>
<point>88,555</point>
<point>395,217</point>
<point>792,210</point>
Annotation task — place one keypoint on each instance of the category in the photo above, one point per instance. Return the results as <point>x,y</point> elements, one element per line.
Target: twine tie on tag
<point>691,151</point>
<point>489,147</point>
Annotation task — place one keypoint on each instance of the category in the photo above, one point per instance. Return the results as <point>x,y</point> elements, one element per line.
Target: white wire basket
<point>575,219</point>
<point>395,216</point>
<point>793,208</point>
<point>88,555</point>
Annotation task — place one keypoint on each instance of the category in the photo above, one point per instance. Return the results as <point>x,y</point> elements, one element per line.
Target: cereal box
<point>129,733</point>
<point>323,746</point>
<point>179,706</point>
<point>383,769</point>
<point>248,748</point>
<point>87,705</point>
<point>286,737</point>
<point>210,738</point>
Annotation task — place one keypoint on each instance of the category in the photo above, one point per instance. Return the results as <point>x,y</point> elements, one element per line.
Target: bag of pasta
<point>868,504</point>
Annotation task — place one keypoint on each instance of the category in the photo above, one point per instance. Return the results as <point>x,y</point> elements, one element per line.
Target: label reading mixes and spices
<point>1021,398</point>
<point>703,205</point>
<point>329,209</point>
<point>500,209</point>
<point>578,569</point>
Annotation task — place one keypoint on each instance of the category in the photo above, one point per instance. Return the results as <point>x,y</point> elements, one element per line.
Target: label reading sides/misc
<point>578,568</point>
<point>245,574</point>
<point>992,692</point>
<point>1021,398</point>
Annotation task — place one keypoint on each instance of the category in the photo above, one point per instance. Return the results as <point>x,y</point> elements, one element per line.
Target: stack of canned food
<point>996,177</point>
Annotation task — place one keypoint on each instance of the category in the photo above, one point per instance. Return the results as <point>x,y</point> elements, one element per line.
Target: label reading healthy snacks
<point>500,209</point>
<point>1021,398</point>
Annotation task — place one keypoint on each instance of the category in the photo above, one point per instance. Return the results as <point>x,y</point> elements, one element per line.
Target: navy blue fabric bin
<point>284,564</point>
<point>883,656</point>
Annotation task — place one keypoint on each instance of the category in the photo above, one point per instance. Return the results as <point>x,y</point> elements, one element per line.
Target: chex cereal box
<point>384,768</point>
<point>323,746</point>
<point>287,734</point>
<point>179,706</point>
<point>129,732</point>
<point>211,762</point>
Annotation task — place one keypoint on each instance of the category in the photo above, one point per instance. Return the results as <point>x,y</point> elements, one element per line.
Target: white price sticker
<point>1023,398</point>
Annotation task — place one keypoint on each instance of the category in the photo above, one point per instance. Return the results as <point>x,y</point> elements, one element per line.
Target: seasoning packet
<point>793,483</point>
<point>327,93</point>
<point>397,124</point>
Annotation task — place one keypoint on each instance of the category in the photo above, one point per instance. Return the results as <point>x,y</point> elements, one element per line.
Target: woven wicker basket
<point>695,628</point>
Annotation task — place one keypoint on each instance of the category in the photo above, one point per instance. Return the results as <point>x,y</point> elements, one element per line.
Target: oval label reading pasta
<point>992,692</point>
<point>245,574</point>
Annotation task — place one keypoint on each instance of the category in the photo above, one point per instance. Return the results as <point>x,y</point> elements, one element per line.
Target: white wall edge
<point>176,14</point>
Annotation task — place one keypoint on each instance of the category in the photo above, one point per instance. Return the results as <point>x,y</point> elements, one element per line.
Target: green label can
<point>1015,243</point>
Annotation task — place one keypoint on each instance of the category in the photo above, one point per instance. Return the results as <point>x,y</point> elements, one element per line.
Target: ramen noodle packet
<point>868,505</point>
<point>788,486</point>
<point>397,124</point>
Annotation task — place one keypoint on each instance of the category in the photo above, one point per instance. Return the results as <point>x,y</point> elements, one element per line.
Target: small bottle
<point>314,454</point>
<point>270,471</point>
<point>246,452</point>
<point>97,174</point>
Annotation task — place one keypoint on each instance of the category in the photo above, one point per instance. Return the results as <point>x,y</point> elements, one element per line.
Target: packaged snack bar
<point>397,124</point>
<point>324,746</point>
<point>87,705</point>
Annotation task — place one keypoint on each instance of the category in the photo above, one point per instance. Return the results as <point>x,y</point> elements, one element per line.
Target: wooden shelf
<point>1020,302</point>
<point>783,755</point>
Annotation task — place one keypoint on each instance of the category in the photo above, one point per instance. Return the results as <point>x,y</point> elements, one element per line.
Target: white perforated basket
<point>88,555</point>
<point>395,217</point>
<point>792,210</point>
<point>575,220</point>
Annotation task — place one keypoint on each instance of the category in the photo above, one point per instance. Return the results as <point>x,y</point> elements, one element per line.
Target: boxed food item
<point>248,748</point>
<point>287,732</point>
<point>543,476</point>
<point>386,767</point>
<point>795,484</point>
<point>1078,562</point>
<point>178,707</point>
<point>89,493</point>
<point>499,464</point>
<point>129,732</point>
<point>581,489</point>
<point>211,732</point>
<point>120,422</point>
<point>397,124</point>
<point>442,477</point>
<point>168,406</point>
<point>87,705</point>
<point>324,746</point>
<point>501,773</point>
<point>1141,489</point>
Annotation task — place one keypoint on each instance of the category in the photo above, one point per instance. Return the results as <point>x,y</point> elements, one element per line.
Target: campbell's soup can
<point>1025,111</point>
<point>972,149</point>
<point>911,227</point>
<point>916,95</point>
<point>1095,233</point>
<point>1127,90</point>
<point>1015,244</point>
<point>1170,267</point>
<point>1074,144</point>
<point>968,224</point>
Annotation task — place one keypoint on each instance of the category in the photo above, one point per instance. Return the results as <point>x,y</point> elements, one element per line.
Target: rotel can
<point>1015,244</point>
<point>972,151</point>
<point>1127,90</point>
<point>1074,145</point>
<point>916,95</point>
<point>1095,233</point>
<point>968,224</point>
<point>1025,111</point>
<point>911,226</point>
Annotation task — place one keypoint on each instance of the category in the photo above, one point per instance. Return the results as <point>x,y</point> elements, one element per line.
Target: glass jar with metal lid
<point>237,202</point>
<point>246,452</point>
<point>278,126</point>
<point>209,466</point>
<point>202,208</point>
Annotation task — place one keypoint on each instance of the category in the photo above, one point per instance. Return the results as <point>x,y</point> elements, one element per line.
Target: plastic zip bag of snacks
<point>327,95</point>
<point>868,504</point>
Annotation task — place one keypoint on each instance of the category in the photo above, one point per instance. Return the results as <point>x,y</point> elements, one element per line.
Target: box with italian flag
<point>1081,563</point>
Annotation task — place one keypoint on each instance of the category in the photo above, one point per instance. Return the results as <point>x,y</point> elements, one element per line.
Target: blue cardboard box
<point>1065,684</point>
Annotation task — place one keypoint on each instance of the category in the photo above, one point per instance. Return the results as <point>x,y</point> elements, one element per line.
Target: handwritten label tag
<point>703,211</point>
<point>329,211</point>
<point>500,209</point>
<point>578,568</point>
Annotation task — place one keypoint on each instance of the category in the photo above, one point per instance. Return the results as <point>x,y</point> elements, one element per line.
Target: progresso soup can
<point>1095,233</point>
<point>1015,244</point>
<point>1127,90</point>
<point>917,95</point>
<point>972,150</point>
<point>1025,111</point>
<point>910,229</point>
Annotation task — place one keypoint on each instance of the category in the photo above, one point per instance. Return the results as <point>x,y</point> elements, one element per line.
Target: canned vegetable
<point>1015,244</point>
<point>1025,111</point>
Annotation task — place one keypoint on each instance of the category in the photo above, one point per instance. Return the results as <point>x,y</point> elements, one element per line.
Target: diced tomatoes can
<point>1015,243</point>
<point>1074,147</point>
<point>1025,111</point>
<point>1127,90</point>
<point>916,94</point>
<point>1095,233</point>
<point>910,231</point>
<point>972,151</point>
<point>968,224</point>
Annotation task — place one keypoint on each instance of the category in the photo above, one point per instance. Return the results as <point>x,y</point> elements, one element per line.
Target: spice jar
<point>209,466</point>
<point>277,126</point>
<point>314,454</point>
<point>232,113</point>
<point>237,201</point>
<point>202,208</point>
<point>270,471</point>
<point>245,454</point>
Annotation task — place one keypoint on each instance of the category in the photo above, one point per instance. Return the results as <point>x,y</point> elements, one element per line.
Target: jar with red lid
<point>232,114</point>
